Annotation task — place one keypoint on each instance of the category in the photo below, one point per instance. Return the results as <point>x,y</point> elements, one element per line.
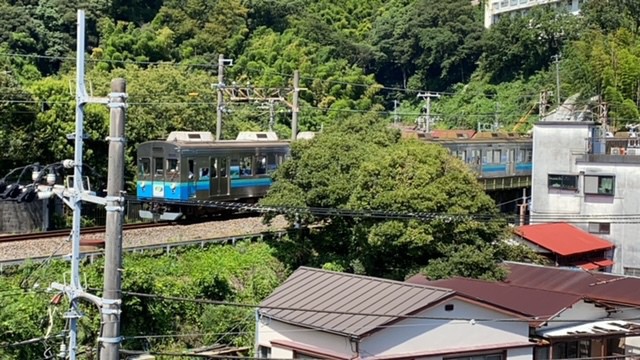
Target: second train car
<point>191,166</point>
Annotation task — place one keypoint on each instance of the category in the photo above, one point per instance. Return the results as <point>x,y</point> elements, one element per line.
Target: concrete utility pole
<point>523,207</point>
<point>543,103</point>
<point>294,108</point>
<point>221,63</point>
<point>113,240</point>
<point>556,59</point>
<point>427,96</point>
<point>395,111</point>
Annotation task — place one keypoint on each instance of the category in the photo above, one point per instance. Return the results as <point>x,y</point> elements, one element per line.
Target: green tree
<point>360,165</point>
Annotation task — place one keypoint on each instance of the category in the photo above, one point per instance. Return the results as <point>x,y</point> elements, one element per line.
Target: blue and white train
<point>190,166</point>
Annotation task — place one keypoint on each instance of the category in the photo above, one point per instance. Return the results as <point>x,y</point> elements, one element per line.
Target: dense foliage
<point>355,58</point>
<point>243,274</point>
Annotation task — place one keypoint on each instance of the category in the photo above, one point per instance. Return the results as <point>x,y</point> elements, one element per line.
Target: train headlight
<point>143,185</point>
<point>173,187</point>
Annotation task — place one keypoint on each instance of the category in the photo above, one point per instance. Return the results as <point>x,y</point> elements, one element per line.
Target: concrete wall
<point>497,8</point>
<point>558,148</point>
<point>20,218</point>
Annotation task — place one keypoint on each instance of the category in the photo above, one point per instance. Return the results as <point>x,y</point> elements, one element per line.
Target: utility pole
<point>427,96</point>
<point>543,103</point>
<point>113,240</point>
<point>523,207</point>
<point>556,60</point>
<point>78,194</point>
<point>220,86</point>
<point>395,111</point>
<point>295,108</point>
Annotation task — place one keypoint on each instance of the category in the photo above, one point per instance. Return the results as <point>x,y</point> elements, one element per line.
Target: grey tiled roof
<point>346,303</point>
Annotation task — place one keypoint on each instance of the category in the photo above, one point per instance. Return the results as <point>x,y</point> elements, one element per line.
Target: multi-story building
<point>591,179</point>
<point>494,9</point>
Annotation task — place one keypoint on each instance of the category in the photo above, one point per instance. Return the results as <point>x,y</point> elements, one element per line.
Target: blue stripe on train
<point>494,168</point>
<point>182,190</point>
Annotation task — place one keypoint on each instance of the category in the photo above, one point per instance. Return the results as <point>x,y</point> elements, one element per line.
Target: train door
<point>191,178</point>
<point>219,185</point>
<point>511,162</point>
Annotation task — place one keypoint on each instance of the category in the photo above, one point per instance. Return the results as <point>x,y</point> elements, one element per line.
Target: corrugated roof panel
<point>562,238</point>
<point>530,302</point>
<point>320,290</point>
<point>595,285</point>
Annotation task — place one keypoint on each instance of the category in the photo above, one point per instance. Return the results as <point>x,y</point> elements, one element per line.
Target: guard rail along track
<point>92,255</point>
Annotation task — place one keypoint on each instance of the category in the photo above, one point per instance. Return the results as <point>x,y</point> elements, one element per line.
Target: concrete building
<point>590,179</point>
<point>494,9</point>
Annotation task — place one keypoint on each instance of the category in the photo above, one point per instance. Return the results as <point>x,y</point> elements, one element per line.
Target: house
<point>323,314</point>
<point>574,313</point>
<point>567,245</point>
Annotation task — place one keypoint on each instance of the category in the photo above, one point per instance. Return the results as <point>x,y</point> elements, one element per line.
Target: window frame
<point>588,187</point>
<point>564,186</point>
<point>602,228</point>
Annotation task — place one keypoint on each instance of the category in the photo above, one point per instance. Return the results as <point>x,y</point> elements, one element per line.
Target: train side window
<point>214,167</point>
<point>234,168</point>
<point>223,167</point>
<point>144,167</point>
<point>203,173</point>
<point>497,156</point>
<point>191,169</point>
<point>271,163</point>
<point>261,165</point>
<point>245,166</point>
<point>159,167</point>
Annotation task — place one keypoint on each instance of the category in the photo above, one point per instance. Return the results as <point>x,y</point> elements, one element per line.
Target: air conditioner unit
<point>615,151</point>
<point>633,151</point>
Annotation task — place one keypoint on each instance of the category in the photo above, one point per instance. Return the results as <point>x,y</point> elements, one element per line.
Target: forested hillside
<point>353,56</point>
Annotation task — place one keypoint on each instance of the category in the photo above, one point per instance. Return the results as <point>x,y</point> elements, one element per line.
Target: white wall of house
<point>558,148</point>
<point>581,312</point>
<point>420,335</point>
<point>270,330</point>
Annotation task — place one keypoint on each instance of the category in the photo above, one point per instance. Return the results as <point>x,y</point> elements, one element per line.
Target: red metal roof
<point>562,238</point>
<point>594,264</point>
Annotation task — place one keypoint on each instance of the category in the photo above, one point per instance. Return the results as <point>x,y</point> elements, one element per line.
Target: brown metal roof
<point>543,304</point>
<point>346,303</point>
<point>594,285</point>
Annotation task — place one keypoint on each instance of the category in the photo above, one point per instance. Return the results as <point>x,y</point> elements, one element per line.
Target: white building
<point>494,9</point>
<point>592,181</point>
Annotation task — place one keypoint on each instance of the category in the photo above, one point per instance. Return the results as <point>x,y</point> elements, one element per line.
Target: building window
<point>497,356</point>
<point>631,271</point>
<point>301,355</point>
<point>599,228</point>
<point>599,185</point>
<point>571,349</point>
<point>563,182</point>
<point>264,352</point>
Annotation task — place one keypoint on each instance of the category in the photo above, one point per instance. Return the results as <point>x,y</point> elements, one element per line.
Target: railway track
<point>91,255</point>
<point>65,232</point>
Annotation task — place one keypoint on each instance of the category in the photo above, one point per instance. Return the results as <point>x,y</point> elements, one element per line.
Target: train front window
<point>159,167</point>
<point>144,167</point>
<point>261,165</point>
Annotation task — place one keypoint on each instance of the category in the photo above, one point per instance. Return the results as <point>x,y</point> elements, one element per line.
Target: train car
<point>494,158</point>
<point>191,166</point>
<point>490,155</point>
